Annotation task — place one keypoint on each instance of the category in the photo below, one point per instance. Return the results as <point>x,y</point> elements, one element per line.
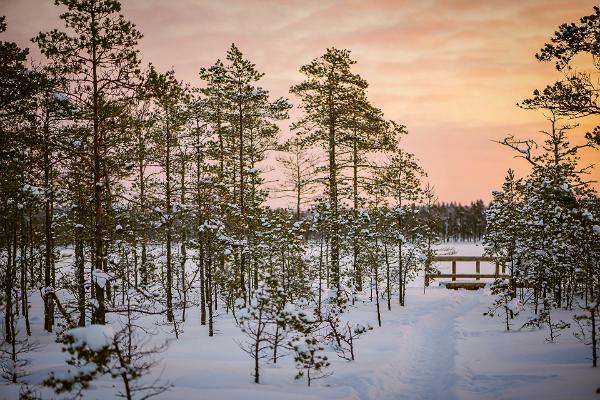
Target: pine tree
<point>326,95</point>
<point>250,115</point>
<point>96,350</point>
<point>309,359</point>
<point>170,118</point>
<point>16,107</point>
<point>367,133</point>
<point>400,180</point>
<point>260,319</point>
<point>242,119</point>
<point>99,59</point>
<point>578,95</point>
<point>504,224</point>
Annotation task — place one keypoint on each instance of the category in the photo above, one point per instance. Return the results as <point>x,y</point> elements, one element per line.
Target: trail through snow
<point>416,352</point>
<point>432,372</point>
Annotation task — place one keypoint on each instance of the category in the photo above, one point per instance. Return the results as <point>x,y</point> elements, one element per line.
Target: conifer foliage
<point>130,200</point>
<point>546,226</point>
<point>130,195</point>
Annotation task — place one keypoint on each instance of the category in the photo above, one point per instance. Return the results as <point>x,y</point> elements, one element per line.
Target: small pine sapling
<point>255,321</point>
<point>339,334</point>
<point>13,357</point>
<point>28,393</point>
<point>96,350</point>
<point>90,351</point>
<point>309,359</point>
<point>505,305</point>
<point>544,318</point>
<point>588,329</point>
<point>347,339</point>
<point>291,319</point>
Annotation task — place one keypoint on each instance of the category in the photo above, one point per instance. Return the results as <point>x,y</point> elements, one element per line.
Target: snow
<point>96,337</point>
<point>94,303</point>
<point>59,96</point>
<point>515,305</point>
<point>439,346</point>
<point>101,277</point>
<point>34,190</point>
<point>44,291</point>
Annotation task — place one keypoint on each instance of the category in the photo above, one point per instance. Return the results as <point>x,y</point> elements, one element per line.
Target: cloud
<point>451,70</point>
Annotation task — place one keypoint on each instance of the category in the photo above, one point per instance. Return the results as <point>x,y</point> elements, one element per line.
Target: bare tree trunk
<point>209,284</point>
<point>400,275</point>
<point>242,201</point>
<point>356,264</point>
<point>183,239</point>
<point>168,211</point>
<point>24,261</point>
<point>8,284</point>
<point>80,263</point>
<point>387,277</point>
<point>298,188</point>
<point>199,205</point>
<point>99,316</point>
<point>320,275</point>
<point>48,232</point>
<point>333,202</point>
<point>376,267</point>
<point>257,346</point>
<point>144,273</point>
<point>202,284</point>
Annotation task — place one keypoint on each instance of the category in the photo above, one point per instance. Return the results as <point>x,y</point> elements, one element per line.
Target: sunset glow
<point>451,71</point>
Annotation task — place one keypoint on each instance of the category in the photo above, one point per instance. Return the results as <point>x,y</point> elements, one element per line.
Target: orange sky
<point>451,71</point>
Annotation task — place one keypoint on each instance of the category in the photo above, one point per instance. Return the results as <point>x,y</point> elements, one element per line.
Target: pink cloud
<point>451,70</point>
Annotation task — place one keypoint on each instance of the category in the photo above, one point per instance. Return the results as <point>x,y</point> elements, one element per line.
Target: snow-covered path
<point>413,355</point>
<point>432,371</point>
<point>440,346</point>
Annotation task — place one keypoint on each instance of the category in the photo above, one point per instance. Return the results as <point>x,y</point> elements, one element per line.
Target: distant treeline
<point>457,222</point>
<point>450,221</point>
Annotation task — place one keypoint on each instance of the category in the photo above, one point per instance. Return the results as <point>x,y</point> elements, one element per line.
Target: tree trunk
<point>48,231</point>
<point>242,205</point>
<point>99,315</point>
<point>183,246</point>
<point>168,211</point>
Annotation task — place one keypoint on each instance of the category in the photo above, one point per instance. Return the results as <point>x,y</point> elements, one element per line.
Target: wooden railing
<point>477,275</point>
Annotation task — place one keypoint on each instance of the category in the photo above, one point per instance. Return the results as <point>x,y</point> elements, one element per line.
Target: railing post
<point>478,267</point>
<point>453,270</point>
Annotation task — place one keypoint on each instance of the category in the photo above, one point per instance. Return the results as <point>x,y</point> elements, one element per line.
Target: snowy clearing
<point>439,346</point>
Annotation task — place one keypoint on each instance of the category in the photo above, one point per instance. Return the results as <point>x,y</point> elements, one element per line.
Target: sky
<point>451,71</point>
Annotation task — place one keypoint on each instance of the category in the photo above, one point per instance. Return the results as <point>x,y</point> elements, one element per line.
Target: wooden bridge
<point>472,285</point>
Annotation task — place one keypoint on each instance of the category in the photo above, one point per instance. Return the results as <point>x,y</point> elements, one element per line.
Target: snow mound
<point>96,337</point>
<point>101,277</point>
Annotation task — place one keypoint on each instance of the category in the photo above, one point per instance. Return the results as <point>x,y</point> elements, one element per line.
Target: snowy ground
<point>439,346</point>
